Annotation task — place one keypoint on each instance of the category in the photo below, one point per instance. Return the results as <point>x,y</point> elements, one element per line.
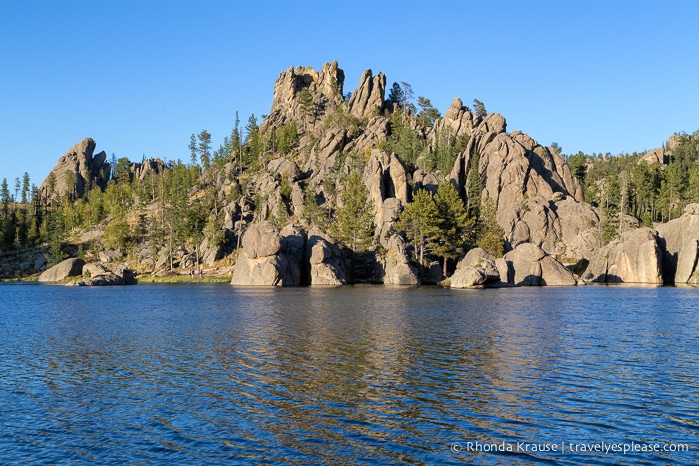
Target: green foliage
<point>428,113</point>
<point>306,107</point>
<point>488,233</point>
<point>456,228</point>
<point>355,218</point>
<point>578,167</point>
<point>420,221</point>
<point>395,94</point>
<point>404,141</point>
<point>285,137</point>
<point>474,186</point>
<point>55,253</point>
<point>285,188</point>
<point>204,148</point>
<point>479,108</point>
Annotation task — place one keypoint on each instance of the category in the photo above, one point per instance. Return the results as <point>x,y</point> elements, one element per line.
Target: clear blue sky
<point>140,77</point>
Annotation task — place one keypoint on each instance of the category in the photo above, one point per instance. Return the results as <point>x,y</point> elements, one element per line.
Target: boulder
<point>482,260</point>
<point>267,259</point>
<point>467,276</point>
<point>103,279</point>
<point>325,263</point>
<point>284,167</point>
<point>633,258</point>
<point>61,271</point>
<point>393,268</point>
<point>94,268</point>
<point>679,239</point>
<point>529,265</point>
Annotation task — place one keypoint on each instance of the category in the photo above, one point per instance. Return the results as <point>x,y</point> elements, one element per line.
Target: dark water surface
<point>209,374</point>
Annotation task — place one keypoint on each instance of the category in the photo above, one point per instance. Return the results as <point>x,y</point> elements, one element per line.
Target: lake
<point>210,374</point>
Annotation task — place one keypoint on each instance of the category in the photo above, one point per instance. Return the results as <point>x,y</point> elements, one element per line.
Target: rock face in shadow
<point>633,258</point>
<point>62,270</point>
<point>77,172</point>
<point>680,241</point>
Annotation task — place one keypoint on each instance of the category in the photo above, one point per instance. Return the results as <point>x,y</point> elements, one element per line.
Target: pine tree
<point>204,148</point>
<point>355,219</point>
<point>420,221</point>
<point>306,106</point>
<point>489,233</point>
<point>193,151</point>
<point>455,226</point>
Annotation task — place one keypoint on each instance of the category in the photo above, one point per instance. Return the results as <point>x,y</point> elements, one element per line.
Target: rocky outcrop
<point>679,239</point>
<point>281,167</point>
<point>393,268</point>
<point>269,258</point>
<point>62,270</point>
<point>368,98</point>
<point>633,258</point>
<point>325,263</point>
<point>458,122</point>
<point>77,172</point>
<point>385,177</point>
<point>148,168</point>
<point>529,265</point>
<point>477,267</point>
<point>324,85</point>
<point>536,197</point>
<point>107,278</point>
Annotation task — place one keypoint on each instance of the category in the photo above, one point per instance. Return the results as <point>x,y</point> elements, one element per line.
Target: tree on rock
<point>306,107</point>
<point>455,226</point>
<point>355,219</point>
<point>489,233</point>
<point>395,95</point>
<point>420,221</point>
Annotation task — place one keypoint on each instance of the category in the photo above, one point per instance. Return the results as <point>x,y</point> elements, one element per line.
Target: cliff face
<point>77,172</point>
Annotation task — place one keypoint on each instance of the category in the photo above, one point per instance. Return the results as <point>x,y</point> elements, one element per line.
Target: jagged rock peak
<point>325,84</point>
<point>77,171</point>
<point>369,94</point>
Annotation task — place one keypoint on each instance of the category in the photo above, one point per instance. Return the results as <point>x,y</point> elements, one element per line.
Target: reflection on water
<point>210,373</point>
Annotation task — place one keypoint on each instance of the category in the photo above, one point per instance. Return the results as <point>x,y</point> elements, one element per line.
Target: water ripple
<point>212,374</point>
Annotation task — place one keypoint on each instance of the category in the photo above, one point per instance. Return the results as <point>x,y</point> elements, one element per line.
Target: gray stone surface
<point>61,271</point>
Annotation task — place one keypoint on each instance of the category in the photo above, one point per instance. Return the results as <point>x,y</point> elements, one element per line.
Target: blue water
<point>210,374</point>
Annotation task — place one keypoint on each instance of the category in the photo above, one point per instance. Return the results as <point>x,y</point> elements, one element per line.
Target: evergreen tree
<point>455,226</point>
<point>474,186</point>
<point>306,106</point>
<point>5,195</point>
<point>253,148</point>
<point>420,221</point>
<point>489,233</point>
<point>395,95</point>
<point>25,188</point>
<point>428,113</point>
<point>193,151</point>
<point>204,148</point>
<point>479,108</point>
<point>355,219</point>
